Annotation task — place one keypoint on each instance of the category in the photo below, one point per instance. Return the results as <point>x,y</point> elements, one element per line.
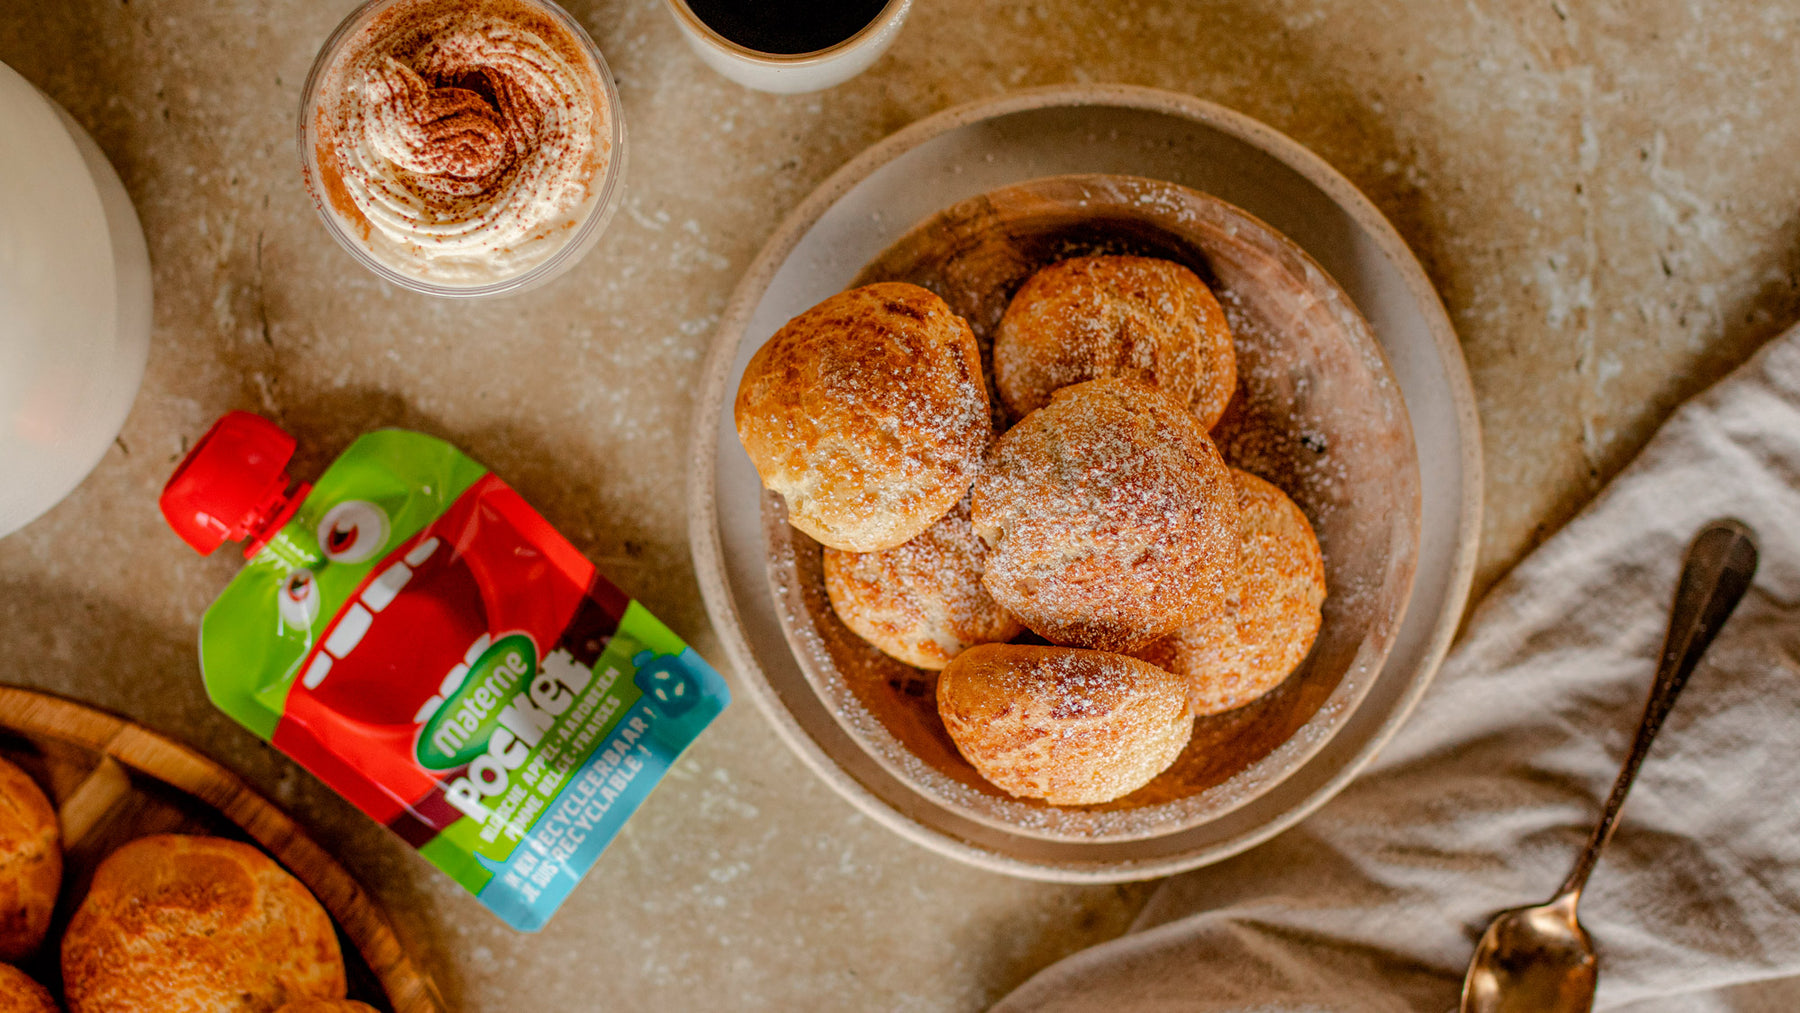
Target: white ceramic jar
<point>74,303</point>
<point>787,74</point>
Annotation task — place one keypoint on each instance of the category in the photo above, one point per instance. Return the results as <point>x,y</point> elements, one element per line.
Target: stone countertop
<point>1606,193</point>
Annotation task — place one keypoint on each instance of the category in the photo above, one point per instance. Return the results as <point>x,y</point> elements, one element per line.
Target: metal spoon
<point>1540,959</point>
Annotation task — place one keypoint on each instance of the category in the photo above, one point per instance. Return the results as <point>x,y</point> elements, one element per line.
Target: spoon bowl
<point>1532,959</point>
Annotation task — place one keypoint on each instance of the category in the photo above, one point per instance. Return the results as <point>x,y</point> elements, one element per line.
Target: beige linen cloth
<point>1484,797</point>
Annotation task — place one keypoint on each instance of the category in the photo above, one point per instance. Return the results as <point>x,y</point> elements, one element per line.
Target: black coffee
<point>787,26</point>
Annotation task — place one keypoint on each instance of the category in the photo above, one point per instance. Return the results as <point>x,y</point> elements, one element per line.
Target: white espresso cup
<point>791,73</point>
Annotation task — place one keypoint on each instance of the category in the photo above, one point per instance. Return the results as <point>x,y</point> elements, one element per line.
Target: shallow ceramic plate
<point>869,204</point>
<point>1317,412</point>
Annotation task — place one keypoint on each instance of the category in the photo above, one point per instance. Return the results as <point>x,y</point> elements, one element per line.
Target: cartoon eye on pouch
<point>298,600</point>
<point>353,531</point>
<point>672,692</point>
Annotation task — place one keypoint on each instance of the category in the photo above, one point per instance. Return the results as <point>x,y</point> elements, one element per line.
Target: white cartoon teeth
<point>421,552</point>
<point>382,591</point>
<point>476,650</point>
<point>352,625</point>
<point>317,671</point>
<point>355,620</point>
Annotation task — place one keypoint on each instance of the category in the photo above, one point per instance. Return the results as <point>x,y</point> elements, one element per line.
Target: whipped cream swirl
<point>470,137</point>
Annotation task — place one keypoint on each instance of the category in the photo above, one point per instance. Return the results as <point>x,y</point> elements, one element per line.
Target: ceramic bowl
<point>1316,412</point>
<point>868,206</point>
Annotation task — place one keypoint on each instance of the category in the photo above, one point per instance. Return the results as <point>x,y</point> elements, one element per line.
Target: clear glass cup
<point>586,221</point>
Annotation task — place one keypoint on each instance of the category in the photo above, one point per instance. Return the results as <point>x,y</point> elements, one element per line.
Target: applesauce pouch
<point>421,640</point>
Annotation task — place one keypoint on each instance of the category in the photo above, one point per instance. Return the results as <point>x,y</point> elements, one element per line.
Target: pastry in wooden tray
<point>136,811</point>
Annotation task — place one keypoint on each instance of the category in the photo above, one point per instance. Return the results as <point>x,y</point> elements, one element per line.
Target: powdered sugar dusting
<point>1143,318</point>
<point>1113,517</point>
<point>1068,726</point>
<point>921,602</point>
<point>1236,655</point>
<point>868,414</point>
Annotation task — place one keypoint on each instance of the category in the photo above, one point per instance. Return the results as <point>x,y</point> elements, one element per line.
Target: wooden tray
<point>113,781</point>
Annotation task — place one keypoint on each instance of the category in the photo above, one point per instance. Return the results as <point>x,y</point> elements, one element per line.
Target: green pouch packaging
<point>415,635</point>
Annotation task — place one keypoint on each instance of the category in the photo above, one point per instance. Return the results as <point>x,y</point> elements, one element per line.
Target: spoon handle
<point>1717,571</point>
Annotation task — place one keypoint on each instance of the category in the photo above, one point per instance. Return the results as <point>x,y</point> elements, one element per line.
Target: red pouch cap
<point>233,485</point>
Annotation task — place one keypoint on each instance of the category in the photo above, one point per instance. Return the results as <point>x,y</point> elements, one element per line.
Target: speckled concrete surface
<point>1606,193</point>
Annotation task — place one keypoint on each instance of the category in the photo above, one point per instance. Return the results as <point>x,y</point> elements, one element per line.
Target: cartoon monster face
<point>315,570</point>
<point>364,508</point>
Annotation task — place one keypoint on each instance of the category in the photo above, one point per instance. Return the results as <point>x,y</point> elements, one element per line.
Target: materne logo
<point>491,713</point>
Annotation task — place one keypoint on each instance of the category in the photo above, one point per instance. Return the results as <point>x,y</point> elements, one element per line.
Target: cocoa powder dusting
<point>461,139</point>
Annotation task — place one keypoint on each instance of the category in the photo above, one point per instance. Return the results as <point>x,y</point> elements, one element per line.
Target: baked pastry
<point>30,863</point>
<point>1238,654</point>
<point>868,414</point>
<point>1112,517</point>
<point>920,602</point>
<point>327,1006</point>
<point>19,994</point>
<point>1071,727</point>
<point>1149,320</point>
<point>176,923</point>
